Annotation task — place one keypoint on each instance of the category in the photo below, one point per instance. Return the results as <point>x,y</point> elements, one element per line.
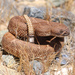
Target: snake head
<point>59,30</point>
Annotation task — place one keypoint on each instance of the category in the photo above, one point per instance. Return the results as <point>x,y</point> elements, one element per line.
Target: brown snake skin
<point>43,30</point>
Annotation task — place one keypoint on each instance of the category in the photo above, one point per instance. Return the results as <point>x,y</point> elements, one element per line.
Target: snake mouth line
<point>61,33</point>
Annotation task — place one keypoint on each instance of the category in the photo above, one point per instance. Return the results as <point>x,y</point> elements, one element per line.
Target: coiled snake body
<point>43,31</point>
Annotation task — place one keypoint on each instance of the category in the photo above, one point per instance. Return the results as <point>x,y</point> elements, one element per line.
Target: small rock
<point>34,12</point>
<point>9,61</point>
<point>63,60</point>
<point>37,67</point>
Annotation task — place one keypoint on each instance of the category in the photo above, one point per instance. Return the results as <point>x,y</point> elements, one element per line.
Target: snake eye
<point>65,32</point>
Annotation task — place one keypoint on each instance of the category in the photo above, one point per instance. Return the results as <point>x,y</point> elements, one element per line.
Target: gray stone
<point>63,14</point>
<point>65,21</point>
<point>34,12</point>
<point>37,67</point>
<point>64,59</point>
<point>63,62</point>
<point>40,12</point>
<point>9,61</point>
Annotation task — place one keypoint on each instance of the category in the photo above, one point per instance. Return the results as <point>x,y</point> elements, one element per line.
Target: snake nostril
<point>61,31</point>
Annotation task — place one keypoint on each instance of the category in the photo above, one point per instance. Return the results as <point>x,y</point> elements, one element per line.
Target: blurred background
<point>9,8</point>
<point>62,11</point>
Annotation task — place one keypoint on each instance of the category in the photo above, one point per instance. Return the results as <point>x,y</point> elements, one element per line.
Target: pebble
<point>63,60</point>
<point>37,67</point>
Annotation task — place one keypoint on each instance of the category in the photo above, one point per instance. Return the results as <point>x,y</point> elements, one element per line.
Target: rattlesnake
<point>44,38</point>
<point>43,30</point>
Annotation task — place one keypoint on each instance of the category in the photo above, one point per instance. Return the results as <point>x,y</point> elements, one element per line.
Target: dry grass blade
<point>68,4</point>
<point>74,64</point>
<point>24,62</point>
<point>30,27</point>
